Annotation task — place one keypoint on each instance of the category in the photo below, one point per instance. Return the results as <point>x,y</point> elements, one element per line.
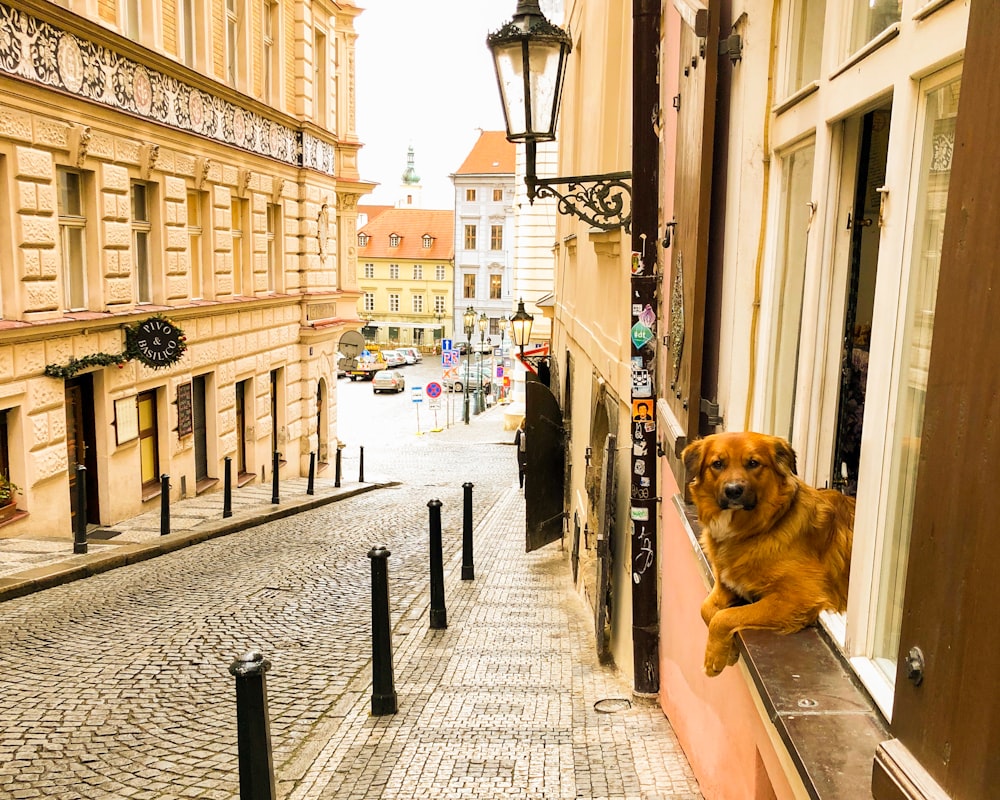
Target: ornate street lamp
<point>469,322</point>
<point>529,56</point>
<point>482,322</point>
<point>520,326</point>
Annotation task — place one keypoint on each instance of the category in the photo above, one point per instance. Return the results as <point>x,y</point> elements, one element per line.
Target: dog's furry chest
<point>718,536</point>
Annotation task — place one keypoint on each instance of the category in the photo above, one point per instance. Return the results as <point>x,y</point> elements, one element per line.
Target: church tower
<point>410,188</point>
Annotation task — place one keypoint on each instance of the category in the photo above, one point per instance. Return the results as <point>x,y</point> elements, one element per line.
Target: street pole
<point>465,382</point>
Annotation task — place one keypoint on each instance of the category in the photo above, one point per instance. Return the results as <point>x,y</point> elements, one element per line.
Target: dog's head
<point>739,471</point>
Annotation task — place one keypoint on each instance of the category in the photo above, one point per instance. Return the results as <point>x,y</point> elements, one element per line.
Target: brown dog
<point>780,550</point>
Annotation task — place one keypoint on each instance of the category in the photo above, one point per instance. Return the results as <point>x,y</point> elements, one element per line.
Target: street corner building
<point>178,214</point>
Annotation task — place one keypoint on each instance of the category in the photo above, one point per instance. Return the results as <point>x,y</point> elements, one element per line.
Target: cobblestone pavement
<point>117,686</point>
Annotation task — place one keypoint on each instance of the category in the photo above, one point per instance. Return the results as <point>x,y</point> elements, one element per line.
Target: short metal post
<point>274,477</point>
<point>361,466</point>
<point>164,505</point>
<point>80,523</point>
<point>336,472</point>
<point>252,729</point>
<point>311,486</point>
<point>227,488</point>
<point>468,568</point>
<point>383,687</point>
<point>439,615</point>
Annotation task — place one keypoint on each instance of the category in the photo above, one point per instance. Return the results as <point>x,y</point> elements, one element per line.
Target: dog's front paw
<point>719,654</point>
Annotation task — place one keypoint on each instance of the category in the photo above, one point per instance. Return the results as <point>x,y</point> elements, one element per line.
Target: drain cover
<point>612,705</point>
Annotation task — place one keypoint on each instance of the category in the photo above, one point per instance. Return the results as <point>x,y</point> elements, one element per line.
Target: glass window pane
<point>870,18</point>
<point>805,44</point>
<point>793,227</point>
<point>937,142</point>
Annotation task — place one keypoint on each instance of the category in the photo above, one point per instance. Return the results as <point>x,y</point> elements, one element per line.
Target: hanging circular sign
<point>158,342</point>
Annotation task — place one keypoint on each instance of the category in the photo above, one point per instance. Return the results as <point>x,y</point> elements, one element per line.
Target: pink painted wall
<point>722,732</point>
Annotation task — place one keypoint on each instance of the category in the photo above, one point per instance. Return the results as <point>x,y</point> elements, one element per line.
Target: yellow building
<point>193,164</point>
<point>407,263</point>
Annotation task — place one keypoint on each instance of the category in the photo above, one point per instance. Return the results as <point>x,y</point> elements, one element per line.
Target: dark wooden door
<point>241,434</point>
<point>81,445</point>
<point>946,716</point>
<point>688,254</point>
<point>200,428</point>
<point>545,473</point>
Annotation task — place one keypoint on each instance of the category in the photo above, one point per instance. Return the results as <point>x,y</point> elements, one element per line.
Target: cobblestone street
<point>117,686</point>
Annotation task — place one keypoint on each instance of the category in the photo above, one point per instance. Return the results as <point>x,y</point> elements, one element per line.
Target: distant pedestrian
<point>522,456</point>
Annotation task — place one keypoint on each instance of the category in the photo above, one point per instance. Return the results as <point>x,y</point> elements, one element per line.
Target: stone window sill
<point>828,723</point>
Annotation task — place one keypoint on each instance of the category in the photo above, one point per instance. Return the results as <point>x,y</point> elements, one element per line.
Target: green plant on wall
<point>155,341</point>
<point>8,489</point>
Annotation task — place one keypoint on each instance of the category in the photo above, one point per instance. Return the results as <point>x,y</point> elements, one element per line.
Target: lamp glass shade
<point>529,56</point>
<point>469,319</point>
<point>520,325</point>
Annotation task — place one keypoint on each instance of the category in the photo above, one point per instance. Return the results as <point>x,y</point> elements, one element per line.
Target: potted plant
<point>8,490</point>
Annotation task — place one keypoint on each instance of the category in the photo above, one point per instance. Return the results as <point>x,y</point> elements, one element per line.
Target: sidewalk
<point>510,702</point>
<point>29,564</point>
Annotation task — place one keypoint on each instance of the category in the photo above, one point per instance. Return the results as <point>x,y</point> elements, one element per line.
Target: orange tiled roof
<point>410,224</point>
<point>491,155</point>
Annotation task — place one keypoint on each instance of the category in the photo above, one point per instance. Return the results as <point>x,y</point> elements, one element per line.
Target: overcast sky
<point>425,78</point>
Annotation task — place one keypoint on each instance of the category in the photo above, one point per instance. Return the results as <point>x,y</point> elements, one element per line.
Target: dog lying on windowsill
<point>779,549</point>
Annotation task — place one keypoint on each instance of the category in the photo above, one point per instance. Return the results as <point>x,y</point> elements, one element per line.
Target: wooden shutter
<point>684,292</point>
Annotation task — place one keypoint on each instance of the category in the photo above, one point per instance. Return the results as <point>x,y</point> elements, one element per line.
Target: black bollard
<point>336,473</point>
<point>311,486</point>
<point>468,568</point>
<point>164,505</point>
<point>274,478</point>
<point>80,522</point>
<point>383,688</point>
<point>252,729</point>
<point>361,466</point>
<point>227,489</point>
<point>439,615</point>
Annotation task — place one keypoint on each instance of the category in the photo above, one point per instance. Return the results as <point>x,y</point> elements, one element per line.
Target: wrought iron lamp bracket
<point>603,201</point>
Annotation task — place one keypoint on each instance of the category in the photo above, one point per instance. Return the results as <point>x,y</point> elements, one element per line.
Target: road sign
<point>445,344</point>
<point>417,394</point>
<point>433,390</point>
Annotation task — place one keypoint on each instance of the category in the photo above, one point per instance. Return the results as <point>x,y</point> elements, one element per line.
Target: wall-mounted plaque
<point>126,419</point>
<point>185,413</point>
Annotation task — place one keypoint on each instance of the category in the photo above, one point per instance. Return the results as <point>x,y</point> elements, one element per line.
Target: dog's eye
<point>718,464</point>
<point>753,463</point>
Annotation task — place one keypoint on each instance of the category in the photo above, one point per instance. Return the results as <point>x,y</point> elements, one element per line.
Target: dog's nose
<point>734,491</point>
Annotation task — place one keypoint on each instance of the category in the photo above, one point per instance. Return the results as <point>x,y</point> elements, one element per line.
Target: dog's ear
<point>784,457</point>
<point>692,455</point>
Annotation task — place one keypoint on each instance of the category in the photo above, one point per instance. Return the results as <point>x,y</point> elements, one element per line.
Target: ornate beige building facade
<point>187,162</point>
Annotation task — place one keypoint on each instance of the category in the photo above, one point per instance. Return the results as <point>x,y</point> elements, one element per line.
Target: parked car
<point>454,380</point>
<point>386,381</point>
<point>394,358</point>
<point>411,354</point>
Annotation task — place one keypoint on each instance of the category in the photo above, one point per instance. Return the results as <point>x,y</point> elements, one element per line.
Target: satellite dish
<point>351,344</point>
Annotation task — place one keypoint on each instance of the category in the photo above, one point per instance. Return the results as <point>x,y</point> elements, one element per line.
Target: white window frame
<point>439,273</point>
<point>394,271</point>
<point>418,272</point>
<point>74,277</point>
<point>417,303</point>
<point>394,302</point>
<point>142,240</point>
<point>369,270</point>
<point>369,301</point>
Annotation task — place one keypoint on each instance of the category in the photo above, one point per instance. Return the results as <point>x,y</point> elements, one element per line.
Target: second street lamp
<point>520,327</point>
<point>469,323</point>
<point>480,400</point>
